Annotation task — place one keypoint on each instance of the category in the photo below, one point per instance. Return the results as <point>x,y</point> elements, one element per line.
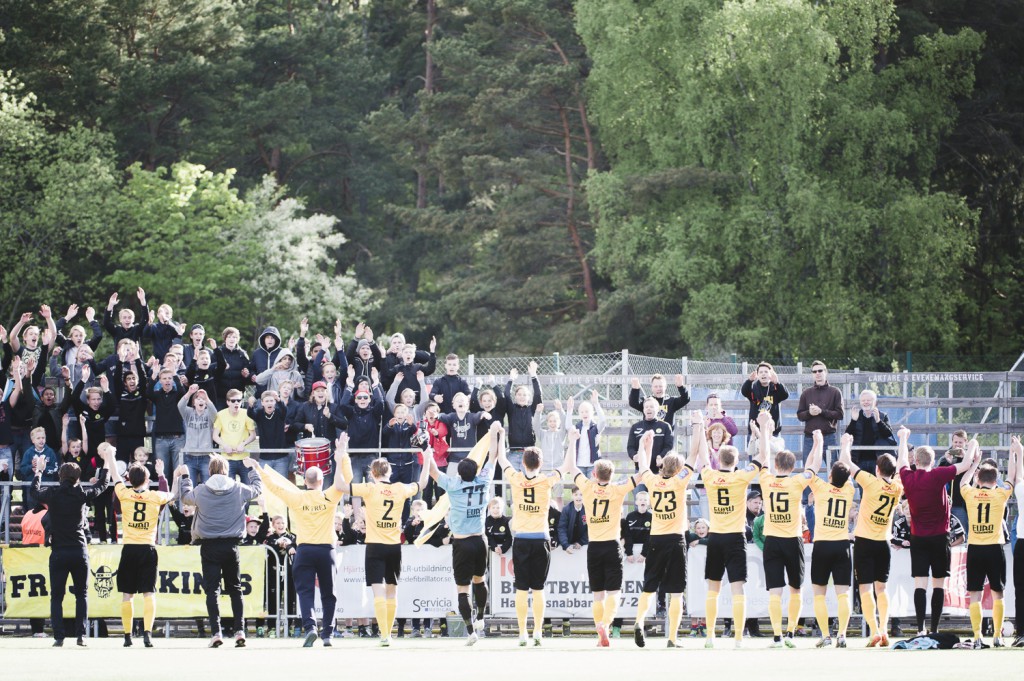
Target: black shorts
<point>783,562</point>
<point>136,573</point>
<point>665,567</point>
<point>986,562</point>
<point>831,559</point>
<point>469,559</point>
<point>871,558</point>
<point>929,554</point>
<point>604,565</point>
<point>383,563</point>
<point>531,559</point>
<point>726,552</point>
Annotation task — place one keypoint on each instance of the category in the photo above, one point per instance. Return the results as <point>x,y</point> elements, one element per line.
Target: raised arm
<point>903,449</point>
<point>814,458</point>
<point>970,463</point>
<point>643,454</point>
<point>698,441</point>
<point>1015,468</point>
<point>845,452</point>
<point>344,464</point>
<point>762,429</point>
<point>569,461</point>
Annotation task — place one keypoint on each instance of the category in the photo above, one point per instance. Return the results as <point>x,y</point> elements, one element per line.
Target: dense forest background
<point>772,178</point>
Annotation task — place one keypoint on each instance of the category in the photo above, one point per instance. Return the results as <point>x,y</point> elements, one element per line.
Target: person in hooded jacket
<point>265,356</point>
<point>363,353</point>
<point>231,365</point>
<point>283,369</point>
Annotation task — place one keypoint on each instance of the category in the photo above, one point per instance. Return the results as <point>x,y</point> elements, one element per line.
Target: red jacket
<point>438,442</point>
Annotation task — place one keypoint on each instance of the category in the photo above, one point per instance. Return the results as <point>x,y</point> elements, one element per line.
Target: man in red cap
<point>364,410</point>
<point>319,418</point>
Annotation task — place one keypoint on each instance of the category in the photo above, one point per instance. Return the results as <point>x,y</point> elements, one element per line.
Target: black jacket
<point>764,398</point>
<point>67,506</point>
<point>520,419</point>
<point>636,529</point>
<point>663,440</point>
<point>669,405</point>
<point>499,533</point>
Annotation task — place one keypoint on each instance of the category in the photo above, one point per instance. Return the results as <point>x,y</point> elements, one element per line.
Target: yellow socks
<point>380,612</point>
<point>642,608</point>
<point>392,607</point>
<point>522,610</point>
<point>711,606</point>
<point>867,606</point>
<point>844,613</point>
<point>883,612</point>
<point>795,603</point>
<point>821,614</point>
<point>598,609</point>
<point>775,613</point>
<point>538,613</point>
<point>998,611</point>
<point>675,615</point>
<point>739,615</point>
<point>976,619</point>
<point>148,611</point>
<point>611,608</point>
<point>127,614</point>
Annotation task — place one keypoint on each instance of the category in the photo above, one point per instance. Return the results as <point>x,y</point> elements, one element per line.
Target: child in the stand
<point>441,537</point>
<point>283,543</point>
<point>499,534</point>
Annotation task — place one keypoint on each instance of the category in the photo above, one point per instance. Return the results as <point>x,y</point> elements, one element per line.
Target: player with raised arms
<point>137,569</point>
<point>468,491</point>
<point>880,493</point>
<point>986,503</point>
<point>602,501</point>
<point>531,553</point>
<point>383,501</point>
<point>727,546</point>
<point>783,530</point>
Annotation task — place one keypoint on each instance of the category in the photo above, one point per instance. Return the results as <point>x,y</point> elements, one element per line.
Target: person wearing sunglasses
<point>820,408</point>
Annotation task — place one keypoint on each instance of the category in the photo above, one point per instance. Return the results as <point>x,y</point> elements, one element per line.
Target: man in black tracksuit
<point>663,439</point>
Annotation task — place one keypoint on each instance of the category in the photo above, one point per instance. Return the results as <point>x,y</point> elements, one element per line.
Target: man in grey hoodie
<point>218,527</point>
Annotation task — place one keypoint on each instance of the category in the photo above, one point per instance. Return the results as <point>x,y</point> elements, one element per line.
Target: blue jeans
<point>167,448</point>
<point>7,455</point>
<point>21,442</point>
<point>237,468</point>
<point>361,467</point>
<point>198,468</point>
<point>961,513</point>
<point>280,465</point>
<point>314,563</point>
<point>830,440</point>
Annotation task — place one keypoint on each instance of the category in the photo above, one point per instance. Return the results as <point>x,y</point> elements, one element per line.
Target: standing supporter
<point>531,552</point>
<point>47,415</point>
<point>365,411</point>
<point>636,530</point>
<point>405,373</point>
<point>492,401</point>
<point>201,373</point>
<point>75,339</point>
<point>398,434</point>
<point>393,357</point>
<point>265,356</point>
<point>190,351</point>
<point>198,421</point>
<point>462,428</point>
<point>468,490</point>
<point>168,430</point>
<point>715,414</point>
<point>408,397</point>
<point>439,537</point>
<point>667,406</point>
<point>765,393</point>
<point>28,346</point>
<point>67,507</point>
<point>137,568</point>
<point>437,442</point>
<point>231,365</point>
<point>233,431</point>
<point>928,504</point>
<point>270,420</point>
<point>126,327</point>
<point>38,460</point>
<point>830,558</point>
<point>953,456</point>
<point>880,494</point>
<point>163,331</point>
<point>9,456</point>
<point>218,527</point>
<point>603,509</point>
<point>383,533</point>
<point>572,531</point>
<point>590,426</point>
<point>868,427</point>
<point>130,388</point>
<point>820,408</point>
<point>663,440</point>
<point>282,542</point>
<point>986,561</point>
<point>362,353</point>
<point>446,387</point>
<point>97,409</point>
<point>499,534</point>
<point>1017,480</point>
<point>550,430</point>
<point>521,407</point>
<point>727,548</point>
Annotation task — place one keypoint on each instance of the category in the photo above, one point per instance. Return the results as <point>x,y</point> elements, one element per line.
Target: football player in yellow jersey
<point>783,541</point>
<point>986,502</point>
<point>383,501</point>
<point>531,552</point>
<point>136,571</point>
<point>830,557</point>
<point>871,554</point>
<point>602,501</point>
<point>665,566</point>
<point>727,546</point>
